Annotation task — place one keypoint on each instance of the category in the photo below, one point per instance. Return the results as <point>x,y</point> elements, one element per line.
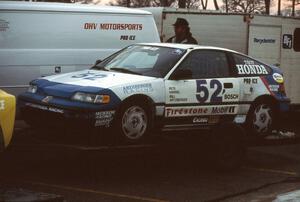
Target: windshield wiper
<point>124,70</point>
<point>99,68</point>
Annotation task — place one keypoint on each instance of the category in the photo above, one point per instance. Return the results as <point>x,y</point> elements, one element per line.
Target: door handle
<point>228,85</point>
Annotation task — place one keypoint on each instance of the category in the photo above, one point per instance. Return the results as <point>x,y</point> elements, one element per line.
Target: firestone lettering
<point>185,111</point>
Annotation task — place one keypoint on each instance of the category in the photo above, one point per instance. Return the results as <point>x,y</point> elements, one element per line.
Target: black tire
<point>229,148</point>
<point>133,123</point>
<point>261,119</point>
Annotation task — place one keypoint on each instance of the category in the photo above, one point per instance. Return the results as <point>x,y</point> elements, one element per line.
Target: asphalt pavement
<point>171,172</point>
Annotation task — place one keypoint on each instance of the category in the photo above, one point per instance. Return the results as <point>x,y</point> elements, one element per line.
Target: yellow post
<point>7,116</point>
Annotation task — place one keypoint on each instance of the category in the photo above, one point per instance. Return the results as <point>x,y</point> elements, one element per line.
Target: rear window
<point>297,39</point>
<point>245,66</point>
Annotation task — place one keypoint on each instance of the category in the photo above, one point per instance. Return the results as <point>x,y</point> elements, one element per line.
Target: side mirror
<point>97,62</point>
<point>182,74</point>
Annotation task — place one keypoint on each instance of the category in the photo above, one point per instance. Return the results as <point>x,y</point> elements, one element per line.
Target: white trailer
<point>40,39</point>
<point>274,40</point>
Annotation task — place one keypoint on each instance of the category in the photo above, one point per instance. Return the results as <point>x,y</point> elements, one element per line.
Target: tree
<point>245,6</point>
<point>294,4</point>
<point>143,3</point>
<point>267,6</point>
<point>155,3</point>
<point>182,3</point>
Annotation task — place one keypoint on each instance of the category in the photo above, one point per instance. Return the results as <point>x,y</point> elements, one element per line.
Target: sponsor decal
<point>287,41</point>
<point>4,25</point>
<point>46,108</point>
<point>274,88</point>
<point>127,37</point>
<point>104,118</point>
<point>89,76</point>
<point>223,110</point>
<point>250,80</point>
<point>185,111</point>
<point>199,111</point>
<point>200,120</point>
<point>261,41</point>
<point>173,99</point>
<point>172,90</point>
<point>231,96</point>
<point>2,104</point>
<point>278,78</point>
<point>47,99</point>
<point>251,69</point>
<point>113,26</point>
<point>138,88</point>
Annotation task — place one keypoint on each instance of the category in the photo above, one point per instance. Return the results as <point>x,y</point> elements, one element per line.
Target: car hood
<point>90,81</point>
<point>96,78</point>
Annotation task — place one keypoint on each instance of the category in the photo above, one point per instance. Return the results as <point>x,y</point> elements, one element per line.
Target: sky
<point>284,4</point>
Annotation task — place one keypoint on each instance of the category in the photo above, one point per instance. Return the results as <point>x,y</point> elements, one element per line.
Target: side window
<point>297,40</point>
<point>206,64</point>
<point>245,66</point>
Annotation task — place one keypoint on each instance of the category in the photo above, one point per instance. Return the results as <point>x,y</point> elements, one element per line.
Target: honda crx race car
<point>162,86</point>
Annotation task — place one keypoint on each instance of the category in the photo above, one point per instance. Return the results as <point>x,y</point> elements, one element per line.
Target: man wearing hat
<point>182,33</point>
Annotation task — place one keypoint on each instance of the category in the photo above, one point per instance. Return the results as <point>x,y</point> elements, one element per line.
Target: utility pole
<point>128,3</point>
<point>226,5</point>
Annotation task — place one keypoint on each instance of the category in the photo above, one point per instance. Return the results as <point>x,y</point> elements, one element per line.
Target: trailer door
<point>264,43</point>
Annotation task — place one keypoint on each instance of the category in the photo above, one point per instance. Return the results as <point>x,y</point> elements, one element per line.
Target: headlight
<point>32,89</point>
<point>91,98</point>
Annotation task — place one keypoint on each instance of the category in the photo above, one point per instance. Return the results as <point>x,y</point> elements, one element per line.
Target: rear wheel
<point>261,119</point>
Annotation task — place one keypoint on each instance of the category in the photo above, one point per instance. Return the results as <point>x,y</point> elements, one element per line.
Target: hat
<point>181,21</point>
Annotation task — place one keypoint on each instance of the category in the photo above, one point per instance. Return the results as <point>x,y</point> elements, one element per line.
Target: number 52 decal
<point>202,93</point>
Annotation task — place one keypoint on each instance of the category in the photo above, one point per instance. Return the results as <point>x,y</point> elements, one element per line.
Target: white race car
<point>161,86</point>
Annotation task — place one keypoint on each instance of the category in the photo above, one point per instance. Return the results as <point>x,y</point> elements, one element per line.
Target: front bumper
<point>40,115</point>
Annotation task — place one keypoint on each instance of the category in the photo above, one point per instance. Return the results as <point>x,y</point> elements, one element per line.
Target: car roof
<point>188,46</point>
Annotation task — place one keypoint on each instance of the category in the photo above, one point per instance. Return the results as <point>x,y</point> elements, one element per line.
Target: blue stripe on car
<point>62,94</point>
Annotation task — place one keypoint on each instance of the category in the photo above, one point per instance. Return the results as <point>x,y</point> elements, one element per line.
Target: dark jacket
<point>188,40</point>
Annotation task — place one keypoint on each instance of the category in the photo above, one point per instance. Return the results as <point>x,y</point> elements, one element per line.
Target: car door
<point>201,90</point>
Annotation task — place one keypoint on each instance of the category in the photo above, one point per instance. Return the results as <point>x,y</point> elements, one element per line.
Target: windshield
<point>144,60</point>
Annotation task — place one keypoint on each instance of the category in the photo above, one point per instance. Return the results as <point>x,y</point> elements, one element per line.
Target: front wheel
<point>133,123</point>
